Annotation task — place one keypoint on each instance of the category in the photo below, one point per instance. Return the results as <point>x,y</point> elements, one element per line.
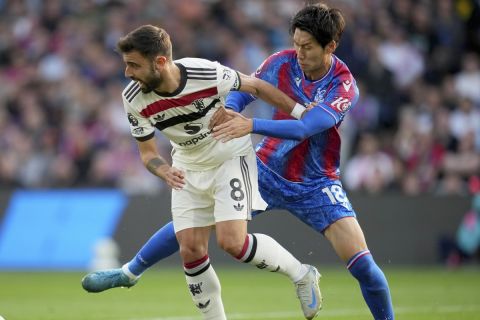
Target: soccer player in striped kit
<point>213,183</point>
<point>298,160</point>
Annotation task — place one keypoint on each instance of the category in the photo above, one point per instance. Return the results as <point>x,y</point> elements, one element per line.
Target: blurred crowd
<point>415,129</point>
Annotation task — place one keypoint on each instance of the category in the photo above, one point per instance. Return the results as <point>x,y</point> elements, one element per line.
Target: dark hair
<point>150,41</point>
<point>323,23</point>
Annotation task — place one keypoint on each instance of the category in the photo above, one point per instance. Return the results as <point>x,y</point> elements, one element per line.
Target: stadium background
<point>70,176</point>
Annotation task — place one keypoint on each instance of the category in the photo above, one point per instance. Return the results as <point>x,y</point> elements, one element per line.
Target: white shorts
<point>228,192</point>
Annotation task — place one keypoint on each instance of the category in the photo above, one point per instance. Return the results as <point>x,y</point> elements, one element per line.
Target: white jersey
<point>183,116</point>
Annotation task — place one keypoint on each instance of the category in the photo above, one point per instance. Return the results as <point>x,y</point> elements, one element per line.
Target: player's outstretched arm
<point>314,121</point>
<point>271,95</point>
<point>158,166</point>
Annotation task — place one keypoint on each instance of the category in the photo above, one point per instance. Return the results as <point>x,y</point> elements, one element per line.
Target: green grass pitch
<point>418,294</point>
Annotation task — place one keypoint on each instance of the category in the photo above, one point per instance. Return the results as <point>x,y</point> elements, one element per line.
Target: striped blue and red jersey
<point>316,158</point>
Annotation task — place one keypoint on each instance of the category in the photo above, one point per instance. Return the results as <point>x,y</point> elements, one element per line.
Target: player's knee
<point>366,270</point>
<point>192,252</point>
<point>231,245</point>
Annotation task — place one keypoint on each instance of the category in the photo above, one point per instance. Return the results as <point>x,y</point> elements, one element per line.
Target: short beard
<point>151,82</point>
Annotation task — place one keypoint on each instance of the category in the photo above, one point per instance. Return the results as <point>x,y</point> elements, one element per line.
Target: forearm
<point>271,95</point>
<point>153,164</point>
<point>313,122</point>
<point>274,97</point>
<point>285,129</point>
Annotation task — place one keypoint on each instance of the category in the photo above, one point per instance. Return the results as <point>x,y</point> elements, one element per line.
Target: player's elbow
<point>300,134</point>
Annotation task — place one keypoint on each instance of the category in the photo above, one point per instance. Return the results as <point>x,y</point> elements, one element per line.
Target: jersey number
<point>335,193</point>
<point>237,193</point>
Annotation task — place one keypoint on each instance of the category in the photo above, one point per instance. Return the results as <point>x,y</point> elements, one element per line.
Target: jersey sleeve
<point>227,80</point>
<point>342,96</point>
<point>237,100</point>
<point>140,127</point>
<point>268,70</point>
<point>313,122</point>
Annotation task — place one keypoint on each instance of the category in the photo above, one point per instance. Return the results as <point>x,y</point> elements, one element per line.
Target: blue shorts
<point>317,205</point>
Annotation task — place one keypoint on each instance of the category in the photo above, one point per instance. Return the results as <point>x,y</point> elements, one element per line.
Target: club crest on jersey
<point>133,121</point>
<point>193,128</point>
<point>199,104</point>
<point>319,95</point>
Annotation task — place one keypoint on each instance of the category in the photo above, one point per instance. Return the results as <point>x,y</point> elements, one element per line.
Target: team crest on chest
<point>320,95</point>
<point>199,104</point>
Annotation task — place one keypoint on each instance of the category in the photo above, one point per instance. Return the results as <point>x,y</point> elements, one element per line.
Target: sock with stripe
<point>373,284</point>
<point>205,288</point>
<point>161,245</point>
<point>265,253</point>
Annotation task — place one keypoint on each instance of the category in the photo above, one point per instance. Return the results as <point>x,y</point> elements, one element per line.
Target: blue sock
<point>161,245</point>
<point>373,284</point>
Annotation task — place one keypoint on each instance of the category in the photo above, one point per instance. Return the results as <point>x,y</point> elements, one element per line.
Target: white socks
<point>259,250</point>
<point>266,253</point>
<point>205,289</point>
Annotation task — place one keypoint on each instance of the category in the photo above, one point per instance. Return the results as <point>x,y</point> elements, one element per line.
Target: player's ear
<point>160,62</point>
<point>331,46</point>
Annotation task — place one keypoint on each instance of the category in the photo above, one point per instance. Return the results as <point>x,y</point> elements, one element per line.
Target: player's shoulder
<point>200,71</point>
<point>277,59</point>
<point>341,70</point>
<point>131,91</point>
<point>282,56</point>
<point>197,63</point>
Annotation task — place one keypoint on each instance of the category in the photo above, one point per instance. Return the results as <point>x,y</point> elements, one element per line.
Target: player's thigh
<point>193,205</point>
<point>193,243</point>
<point>231,235</point>
<point>346,237</point>
<point>320,207</point>
<point>236,189</point>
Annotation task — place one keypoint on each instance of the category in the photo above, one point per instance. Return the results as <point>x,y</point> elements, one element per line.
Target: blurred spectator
<point>465,161</point>
<point>369,169</point>
<point>62,122</point>
<point>465,120</point>
<point>399,56</point>
<point>467,81</point>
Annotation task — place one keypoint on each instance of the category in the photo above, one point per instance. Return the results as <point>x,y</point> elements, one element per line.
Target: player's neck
<point>171,79</point>
<point>320,72</point>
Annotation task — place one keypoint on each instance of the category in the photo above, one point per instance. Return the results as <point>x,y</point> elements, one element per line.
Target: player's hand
<point>174,177</point>
<point>237,126</point>
<point>310,106</point>
<point>220,116</point>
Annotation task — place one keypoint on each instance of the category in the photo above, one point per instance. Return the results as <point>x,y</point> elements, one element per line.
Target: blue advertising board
<point>57,229</point>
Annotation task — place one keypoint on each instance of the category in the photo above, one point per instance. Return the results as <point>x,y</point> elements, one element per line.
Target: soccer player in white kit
<point>213,183</point>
